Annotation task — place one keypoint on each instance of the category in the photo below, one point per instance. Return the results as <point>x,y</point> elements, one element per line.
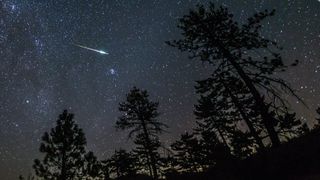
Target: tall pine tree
<point>65,156</point>
<point>212,35</point>
<point>140,117</point>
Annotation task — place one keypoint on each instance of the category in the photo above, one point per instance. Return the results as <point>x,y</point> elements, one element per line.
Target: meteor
<point>91,49</point>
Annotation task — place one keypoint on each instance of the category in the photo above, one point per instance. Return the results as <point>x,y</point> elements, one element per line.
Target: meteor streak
<point>91,49</point>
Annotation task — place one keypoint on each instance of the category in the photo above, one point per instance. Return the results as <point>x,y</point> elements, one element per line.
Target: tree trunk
<point>152,163</point>
<point>244,116</point>
<point>260,105</point>
<point>222,137</point>
<point>63,165</point>
<point>63,175</point>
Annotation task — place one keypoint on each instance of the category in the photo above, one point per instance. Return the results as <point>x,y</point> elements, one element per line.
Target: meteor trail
<point>91,49</point>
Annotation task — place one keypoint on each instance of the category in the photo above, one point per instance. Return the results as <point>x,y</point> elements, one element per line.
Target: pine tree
<point>64,151</point>
<point>213,151</point>
<point>145,154</point>
<point>93,167</point>
<point>106,169</point>
<point>140,117</point>
<point>289,126</point>
<point>212,36</point>
<point>199,151</point>
<point>241,144</point>
<point>224,104</point>
<point>169,166</point>
<point>211,109</point>
<point>188,153</point>
<point>123,163</point>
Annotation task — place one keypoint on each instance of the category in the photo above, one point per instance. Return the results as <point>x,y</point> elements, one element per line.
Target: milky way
<point>41,73</point>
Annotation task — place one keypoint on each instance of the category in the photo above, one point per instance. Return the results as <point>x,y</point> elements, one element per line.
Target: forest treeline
<point>241,114</point>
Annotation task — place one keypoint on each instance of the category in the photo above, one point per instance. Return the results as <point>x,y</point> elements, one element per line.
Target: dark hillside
<point>295,160</point>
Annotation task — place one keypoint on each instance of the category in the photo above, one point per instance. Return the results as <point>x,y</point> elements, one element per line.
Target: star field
<point>42,73</point>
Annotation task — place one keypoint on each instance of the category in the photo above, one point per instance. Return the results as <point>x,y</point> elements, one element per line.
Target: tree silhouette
<point>212,36</point>
<point>105,169</point>
<point>241,144</point>
<point>169,166</point>
<point>93,167</point>
<point>188,153</point>
<point>123,163</point>
<point>199,151</point>
<point>210,110</point>
<point>290,127</point>
<point>212,150</point>
<point>224,104</point>
<point>139,115</point>
<point>146,154</point>
<point>64,151</point>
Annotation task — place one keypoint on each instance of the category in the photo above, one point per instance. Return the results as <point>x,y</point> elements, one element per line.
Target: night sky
<point>42,72</point>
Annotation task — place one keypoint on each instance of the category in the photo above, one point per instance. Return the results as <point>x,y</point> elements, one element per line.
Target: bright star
<point>112,71</point>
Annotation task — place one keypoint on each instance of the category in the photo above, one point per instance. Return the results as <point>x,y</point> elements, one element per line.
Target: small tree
<point>140,116</point>
<point>93,167</point>
<point>64,151</point>
<point>241,144</point>
<point>188,153</point>
<point>212,150</point>
<point>123,163</point>
<point>290,127</point>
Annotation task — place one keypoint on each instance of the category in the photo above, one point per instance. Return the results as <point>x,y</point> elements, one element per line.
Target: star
<point>112,71</point>
<point>13,7</point>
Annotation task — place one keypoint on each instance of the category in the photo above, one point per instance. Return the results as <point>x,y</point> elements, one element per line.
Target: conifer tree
<point>93,167</point>
<point>123,163</point>
<point>212,150</point>
<point>289,126</point>
<point>188,153</point>
<point>225,104</point>
<point>212,35</point>
<point>139,115</point>
<point>64,150</point>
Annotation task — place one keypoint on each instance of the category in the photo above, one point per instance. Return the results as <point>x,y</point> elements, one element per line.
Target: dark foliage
<point>223,106</point>
<point>238,51</point>
<point>213,151</point>
<point>188,155</point>
<point>199,152</point>
<point>122,164</point>
<point>64,152</point>
<point>140,116</point>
